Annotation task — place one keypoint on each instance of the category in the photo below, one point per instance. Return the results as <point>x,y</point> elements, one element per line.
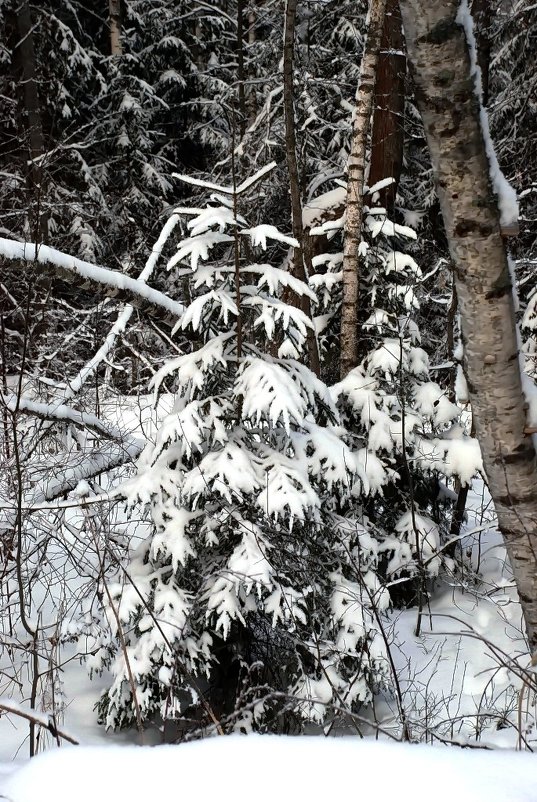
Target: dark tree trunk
<point>25,65</point>
<point>240,68</point>
<point>389,106</point>
<point>302,255</point>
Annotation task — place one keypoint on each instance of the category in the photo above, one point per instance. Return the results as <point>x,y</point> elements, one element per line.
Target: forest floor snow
<point>268,768</point>
<point>460,677</point>
<point>458,686</point>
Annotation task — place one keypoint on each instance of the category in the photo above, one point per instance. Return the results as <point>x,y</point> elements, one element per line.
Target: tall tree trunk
<point>114,17</point>
<point>251,94</point>
<point>441,66</point>
<point>240,68</point>
<point>389,105</point>
<point>355,188</point>
<point>302,255</point>
<point>25,63</point>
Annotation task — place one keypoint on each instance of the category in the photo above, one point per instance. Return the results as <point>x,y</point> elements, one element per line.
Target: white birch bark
<point>355,187</point>
<point>114,16</point>
<point>441,66</point>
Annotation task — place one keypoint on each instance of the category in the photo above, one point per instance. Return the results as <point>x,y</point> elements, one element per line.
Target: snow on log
<point>54,479</point>
<point>90,277</point>
<point>61,412</point>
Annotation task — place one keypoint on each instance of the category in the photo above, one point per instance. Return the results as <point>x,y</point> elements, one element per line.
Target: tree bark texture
<point>389,105</point>
<point>355,188</point>
<point>25,61</point>
<point>302,256</point>
<point>240,68</point>
<point>440,64</point>
<point>114,17</point>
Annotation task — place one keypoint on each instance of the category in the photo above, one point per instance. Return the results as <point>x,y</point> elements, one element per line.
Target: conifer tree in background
<point>510,40</point>
<point>110,135</point>
<point>107,111</point>
<point>138,130</point>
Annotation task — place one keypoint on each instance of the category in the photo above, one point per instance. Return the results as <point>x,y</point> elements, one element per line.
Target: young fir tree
<point>406,425</point>
<point>258,568</point>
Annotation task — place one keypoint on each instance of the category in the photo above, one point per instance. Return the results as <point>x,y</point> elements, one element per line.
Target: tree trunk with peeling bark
<point>440,63</point>
<point>355,187</point>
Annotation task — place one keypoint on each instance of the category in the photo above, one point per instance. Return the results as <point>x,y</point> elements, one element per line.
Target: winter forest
<point>268,412</point>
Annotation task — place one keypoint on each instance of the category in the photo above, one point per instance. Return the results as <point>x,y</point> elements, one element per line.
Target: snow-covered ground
<point>267,768</point>
<point>458,685</point>
<point>72,563</point>
<point>460,678</point>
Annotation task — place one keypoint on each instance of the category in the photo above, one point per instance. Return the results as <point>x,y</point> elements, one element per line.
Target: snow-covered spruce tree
<point>404,422</point>
<point>257,568</point>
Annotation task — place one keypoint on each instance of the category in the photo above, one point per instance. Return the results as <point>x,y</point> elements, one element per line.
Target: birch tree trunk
<point>355,187</point>
<point>440,63</point>
<point>114,16</point>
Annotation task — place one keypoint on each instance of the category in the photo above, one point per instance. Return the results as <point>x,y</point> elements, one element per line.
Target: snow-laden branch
<point>42,719</point>
<point>51,506</point>
<point>89,369</point>
<point>87,276</point>
<point>249,182</point>
<point>61,412</point>
<point>62,473</point>
<point>125,315</point>
<point>57,478</point>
